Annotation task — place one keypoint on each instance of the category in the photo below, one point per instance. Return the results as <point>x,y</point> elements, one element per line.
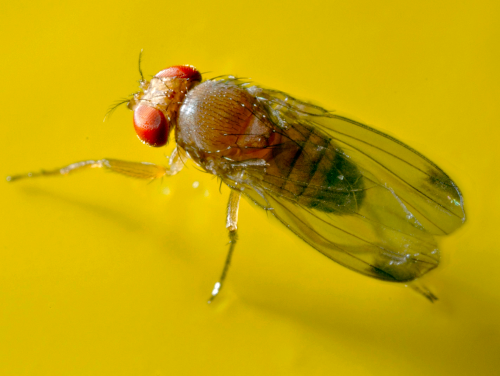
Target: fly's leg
<point>232,226</point>
<point>421,289</point>
<point>140,170</point>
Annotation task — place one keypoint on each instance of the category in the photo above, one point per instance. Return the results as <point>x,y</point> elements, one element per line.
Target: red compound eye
<point>150,125</point>
<point>186,72</point>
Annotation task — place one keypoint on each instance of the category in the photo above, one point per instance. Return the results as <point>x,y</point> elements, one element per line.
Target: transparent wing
<point>406,199</point>
<point>360,242</point>
<point>427,192</point>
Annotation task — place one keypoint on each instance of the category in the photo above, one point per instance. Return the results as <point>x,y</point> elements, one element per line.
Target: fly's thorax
<point>221,120</point>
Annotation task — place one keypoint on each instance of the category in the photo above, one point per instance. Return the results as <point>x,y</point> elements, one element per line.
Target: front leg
<point>232,226</point>
<point>140,170</point>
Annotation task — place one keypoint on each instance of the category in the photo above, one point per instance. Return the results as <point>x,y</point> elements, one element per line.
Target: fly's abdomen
<point>308,168</point>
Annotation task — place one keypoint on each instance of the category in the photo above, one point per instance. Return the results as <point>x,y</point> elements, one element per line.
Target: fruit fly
<point>360,197</point>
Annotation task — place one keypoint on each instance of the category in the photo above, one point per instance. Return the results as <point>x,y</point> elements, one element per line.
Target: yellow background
<point>105,275</point>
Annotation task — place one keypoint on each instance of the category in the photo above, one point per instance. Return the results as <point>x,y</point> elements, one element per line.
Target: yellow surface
<point>105,275</point>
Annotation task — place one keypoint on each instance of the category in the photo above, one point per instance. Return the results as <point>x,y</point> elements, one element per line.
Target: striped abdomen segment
<point>308,168</point>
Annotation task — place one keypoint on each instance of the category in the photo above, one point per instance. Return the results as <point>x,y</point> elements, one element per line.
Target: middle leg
<point>232,226</point>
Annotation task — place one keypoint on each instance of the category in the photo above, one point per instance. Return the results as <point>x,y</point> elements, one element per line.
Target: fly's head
<point>156,105</point>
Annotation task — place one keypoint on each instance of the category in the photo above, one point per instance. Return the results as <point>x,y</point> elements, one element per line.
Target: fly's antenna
<point>114,106</point>
<point>118,103</point>
<point>140,69</point>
